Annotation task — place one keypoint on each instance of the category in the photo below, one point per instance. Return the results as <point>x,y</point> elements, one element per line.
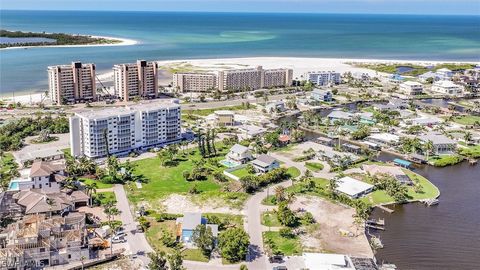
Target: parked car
<point>280,267</point>
<point>139,228</point>
<point>275,259</point>
<point>118,239</point>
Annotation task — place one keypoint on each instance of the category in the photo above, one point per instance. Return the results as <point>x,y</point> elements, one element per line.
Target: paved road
<point>301,166</point>
<point>137,242</point>
<point>256,259</point>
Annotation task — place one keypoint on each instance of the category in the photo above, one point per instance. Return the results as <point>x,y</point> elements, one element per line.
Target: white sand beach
<point>123,42</point>
<point>299,65</point>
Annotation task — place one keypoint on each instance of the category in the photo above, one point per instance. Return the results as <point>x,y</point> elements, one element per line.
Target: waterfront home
<point>328,261</point>
<point>275,106</point>
<point>188,223</point>
<point>351,148</point>
<point>224,118</point>
<point>45,241</point>
<point>395,172</point>
<point>361,76</point>
<point>339,115</point>
<point>396,78</point>
<point>366,118</point>
<point>411,88</point>
<point>239,154</point>
<point>353,188</point>
<point>447,88</point>
<point>250,131</point>
<point>393,104</point>
<point>384,139</point>
<point>321,95</point>
<point>265,163</point>
<point>325,141</point>
<point>444,74</point>
<point>426,76</point>
<point>441,143</point>
<point>45,176</point>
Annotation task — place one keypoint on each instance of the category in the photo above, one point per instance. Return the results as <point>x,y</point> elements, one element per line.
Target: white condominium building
<point>447,88</point>
<point>121,130</point>
<point>72,83</point>
<point>322,78</point>
<point>194,82</point>
<point>252,79</point>
<point>138,79</point>
<point>411,88</point>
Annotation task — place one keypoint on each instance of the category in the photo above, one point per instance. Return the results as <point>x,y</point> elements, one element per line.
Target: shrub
<point>286,233</point>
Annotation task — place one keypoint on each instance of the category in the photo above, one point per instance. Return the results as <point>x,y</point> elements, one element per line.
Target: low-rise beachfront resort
<point>206,159</point>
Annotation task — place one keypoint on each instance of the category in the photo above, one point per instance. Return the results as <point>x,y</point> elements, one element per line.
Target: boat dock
<point>376,227</point>
<point>379,222</point>
<point>386,209</point>
<point>430,202</point>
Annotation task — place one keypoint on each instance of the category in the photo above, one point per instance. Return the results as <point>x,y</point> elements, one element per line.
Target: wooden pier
<point>386,209</point>
<point>376,227</point>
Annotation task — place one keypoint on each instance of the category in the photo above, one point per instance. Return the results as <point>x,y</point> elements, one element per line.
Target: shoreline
<point>123,42</point>
<point>300,65</point>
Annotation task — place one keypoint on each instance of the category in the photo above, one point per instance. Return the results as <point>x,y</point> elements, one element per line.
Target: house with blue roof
<point>187,224</point>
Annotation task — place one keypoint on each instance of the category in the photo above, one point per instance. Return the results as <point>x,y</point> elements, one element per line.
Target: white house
<point>447,88</point>
<point>265,163</point>
<point>275,106</point>
<point>353,187</point>
<point>240,154</point>
<point>323,77</point>
<point>338,115</point>
<point>411,88</point>
<point>425,121</point>
<point>441,143</point>
<point>45,176</point>
<point>384,138</point>
<point>321,95</point>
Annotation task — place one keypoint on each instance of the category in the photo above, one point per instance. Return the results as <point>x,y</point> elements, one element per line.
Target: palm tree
<point>91,188</point>
<point>467,137</point>
<point>280,194</point>
<point>111,211</point>
<point>428,147</point>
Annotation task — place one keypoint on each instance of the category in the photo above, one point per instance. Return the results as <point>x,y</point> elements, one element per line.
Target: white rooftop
<point>224,112</point>
<point>351,186</point>
<point>445,83</point>
<point>386,137</point>
<point>323,261</point>
<point>339,114</point>
<point>412,83</point>
<point>128,110</point>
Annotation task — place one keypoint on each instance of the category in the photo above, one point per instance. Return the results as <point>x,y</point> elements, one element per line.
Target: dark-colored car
<point>280,267</point>
<point>275,259</point>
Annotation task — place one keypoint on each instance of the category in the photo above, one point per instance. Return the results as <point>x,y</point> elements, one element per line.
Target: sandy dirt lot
<point>332,218</point>
<point>180,204</point>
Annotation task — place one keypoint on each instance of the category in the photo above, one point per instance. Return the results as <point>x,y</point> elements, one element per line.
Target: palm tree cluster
<point>391,186</point>
<point>206,143</point>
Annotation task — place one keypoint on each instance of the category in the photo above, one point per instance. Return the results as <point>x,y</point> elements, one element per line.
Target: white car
<point>118,239</point>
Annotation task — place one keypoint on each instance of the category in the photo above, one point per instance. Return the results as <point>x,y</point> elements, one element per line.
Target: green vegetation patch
<point>314,166</point>
<point>445,160</point>
<point>287,246</point>
<point>270,219</point>
<point>467,119</point>
<point>100,184</point>
<point>471,151</point>
<point>241,172</point>
<point>194,254</point>
<point>205,112</point>
<point>105,197</point>
<point>294,172</point>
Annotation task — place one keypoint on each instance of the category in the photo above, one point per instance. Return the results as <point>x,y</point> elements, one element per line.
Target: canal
<point>445,236</point>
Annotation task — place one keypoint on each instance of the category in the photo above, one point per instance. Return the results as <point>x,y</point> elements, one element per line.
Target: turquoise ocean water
<point>214,35</point>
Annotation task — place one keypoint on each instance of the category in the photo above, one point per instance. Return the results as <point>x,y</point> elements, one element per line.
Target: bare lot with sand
<point>179,204</point>
<point>332,219</point>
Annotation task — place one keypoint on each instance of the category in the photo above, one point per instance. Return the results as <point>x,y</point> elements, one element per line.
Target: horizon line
<point>249,12</point>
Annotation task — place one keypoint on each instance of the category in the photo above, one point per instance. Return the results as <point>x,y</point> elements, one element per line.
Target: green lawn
<point>154,234</point>
<point>194,255</point>
<point>471,152</point>
<point>269,200</point>
<point>270,219</point>
<point>294,172</point>
<point>7,158</point>
<point>106,197</point>
<point>445,160</point>
<point>429,191</point>
<point>288,246</point>
<point>241,172</point>
<point>163,181</point>
<point>314,166</point>
<point>100,185</point>
<point>467,119</point>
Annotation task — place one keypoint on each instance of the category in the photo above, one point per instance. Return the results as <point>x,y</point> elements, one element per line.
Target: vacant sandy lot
<point>332,218</point>
<point>179,204</point>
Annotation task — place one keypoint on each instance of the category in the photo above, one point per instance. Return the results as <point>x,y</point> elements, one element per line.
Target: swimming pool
<point>13,185</point>
<point>229,163</point>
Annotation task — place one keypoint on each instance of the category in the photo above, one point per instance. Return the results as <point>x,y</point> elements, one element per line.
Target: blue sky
<point>471,7</point>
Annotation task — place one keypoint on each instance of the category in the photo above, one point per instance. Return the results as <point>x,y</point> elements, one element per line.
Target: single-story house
<point>425,121</point>
<point>265,163</point>
<point>338,115</point>
<point>250,131</point>
<point>441,143</point>
<point>325,261</point>
<point>396,172</point>
<point>325,141</point>
<point>240,154</point>
<point>351,148</point>
<point>384,138</point>
<point>189,222</point>
<point>367,118</point>
<point>34,201</point>
<point>352,187</point>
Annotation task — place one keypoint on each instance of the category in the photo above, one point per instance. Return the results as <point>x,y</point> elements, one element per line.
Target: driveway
<point>137,242</point>
<point>256,258</point>
<point>301,166</point>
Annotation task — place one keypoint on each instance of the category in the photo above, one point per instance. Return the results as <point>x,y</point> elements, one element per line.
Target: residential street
<point>137,242</point>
